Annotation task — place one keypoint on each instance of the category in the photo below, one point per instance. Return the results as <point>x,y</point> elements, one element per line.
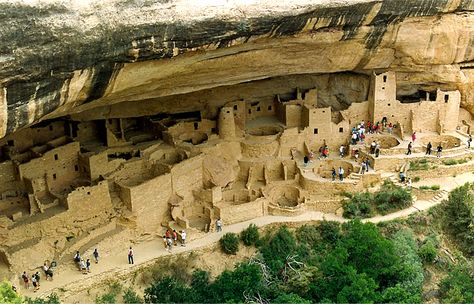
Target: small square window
<point>250,111</point>
<point>324,111</point>
<point>56,157</point>
<point>228,112</point>
<point>235,107</point>
<point>341,130</point>
<point>269,108</point>
<point>258,109</point>
<point>88,193</point>
<point>196,125</point>
<point>76,168</point>
<point>383,88</point>
<point>446,98</point>
<point>315,130</point>
<point>384,78</point>
<point>388,105</point>
<point>54,175</point>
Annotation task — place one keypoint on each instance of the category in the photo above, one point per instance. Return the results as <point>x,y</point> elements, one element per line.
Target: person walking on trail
<point>47,272</point>
<point>96,255</point>
<point>88,265</point>
<point>409,148</point>
<point>333,174</point>
<point>372,147</point>
<point>469,140</point>
<point>35,283</point>
<point>342,151</point>
<point>37,277</point>
<point>26,280</point>
<point>175,237</point>
<point>77,259</point>
<point>183,238</point>
<point>130,255</point>
<point>82,264</point>
<point>218,225</point>
<point>341,174</point>
<point>439,150</point>
<point>169,244</point>
<point>428,148</point>
<point>413,137</point>
<point>377,150</point>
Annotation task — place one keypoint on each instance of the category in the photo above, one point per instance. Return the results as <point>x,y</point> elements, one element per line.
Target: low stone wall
<point>443,170</point>
<point>232,213</point>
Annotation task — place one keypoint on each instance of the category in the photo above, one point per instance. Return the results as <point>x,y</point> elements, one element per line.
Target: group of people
<point>340,172</point>
<point>85,265</point>
<point>35,280</point>
<point>170,238</point>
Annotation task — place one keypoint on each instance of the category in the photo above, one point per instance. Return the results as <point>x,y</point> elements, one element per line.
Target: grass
<point>451,162</point>
<point>432,187</point>
<point>418,165</point>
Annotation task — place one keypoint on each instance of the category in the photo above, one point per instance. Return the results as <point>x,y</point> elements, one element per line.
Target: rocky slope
<point>143,56</point>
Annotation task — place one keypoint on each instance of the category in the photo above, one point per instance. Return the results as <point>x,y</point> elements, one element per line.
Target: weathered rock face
<point>145,57</point>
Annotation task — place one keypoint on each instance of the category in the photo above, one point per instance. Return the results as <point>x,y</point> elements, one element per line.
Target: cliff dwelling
<point>70,182</point>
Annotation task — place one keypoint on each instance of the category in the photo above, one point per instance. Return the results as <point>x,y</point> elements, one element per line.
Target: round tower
<point>226,123</point>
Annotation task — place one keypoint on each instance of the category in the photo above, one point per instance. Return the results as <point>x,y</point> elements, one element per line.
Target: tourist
<point>88,265</point>
<point>26,280</point>
<point>175,237</point>
<point>409,183</point>
<point>469,140</point>
<point>96,255</point>
<point>372,147</point>
<point>47,272</point>
<point>168,233</point>
<point>377,150</point>
<point>354,138</point>
<point>413,137</point>
<point>428,148</point>
<point>325,152</point>
<point>342,151</point>
<point>37,277</point>
<point>305,161</point>
<point>83,267</point>
<point>341,174</point>
<point>77,259</point>
<point>402,176</point>
<point>165,242</point>
<point>362,167</point>
<point>183,238</point>
<point>130,255</point>
<point>367,164</point>
<point>390,128</point>
<point>218,225</point>
<point>409,148</point>
<point>35,283</point>
<point>169,244</point>
<point>356,154</point>
<point>439,150</point>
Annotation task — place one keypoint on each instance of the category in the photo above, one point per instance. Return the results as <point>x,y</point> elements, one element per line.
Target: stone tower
<point>226,123</point>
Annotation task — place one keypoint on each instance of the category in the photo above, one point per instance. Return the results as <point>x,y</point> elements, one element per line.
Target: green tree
<point>458,219</point>
<point>232,285</point>
<point>167,290</point>
<point>278,248</point>
<point>8,295</point>
<point>361,289</point>
<point>131,297</point>
<point>459,284</point>
<point>290,298</point>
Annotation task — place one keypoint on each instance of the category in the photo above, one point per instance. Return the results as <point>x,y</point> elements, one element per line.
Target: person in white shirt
<point>183,238</point>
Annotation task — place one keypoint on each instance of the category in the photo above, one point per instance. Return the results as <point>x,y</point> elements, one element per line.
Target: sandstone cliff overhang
<point>63,57</point>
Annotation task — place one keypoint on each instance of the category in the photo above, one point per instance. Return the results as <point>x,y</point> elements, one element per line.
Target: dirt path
<point>71,281</point>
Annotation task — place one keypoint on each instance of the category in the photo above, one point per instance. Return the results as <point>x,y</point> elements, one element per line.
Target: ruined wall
<point>59,166</point>
<point>187,176</point>
<point>241,212</point>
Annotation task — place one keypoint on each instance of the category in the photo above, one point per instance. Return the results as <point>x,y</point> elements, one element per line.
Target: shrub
<point>418,165</point>
<point>416,179</point>
<point>358,206</point>
<point>7,295</point>
<point>392,197</point>
<point>457,286</point>
<point>250,235</point>
<point>428,252</point>
<point>450,162</point>
<point>131,297</point>
<point>229,243</point>
<point>435,187</point>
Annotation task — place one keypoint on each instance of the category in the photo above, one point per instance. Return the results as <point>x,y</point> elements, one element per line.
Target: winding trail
<point>70,281</point>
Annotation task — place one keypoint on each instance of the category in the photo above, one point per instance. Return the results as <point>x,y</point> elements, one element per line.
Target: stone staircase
<point>440,195</point>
